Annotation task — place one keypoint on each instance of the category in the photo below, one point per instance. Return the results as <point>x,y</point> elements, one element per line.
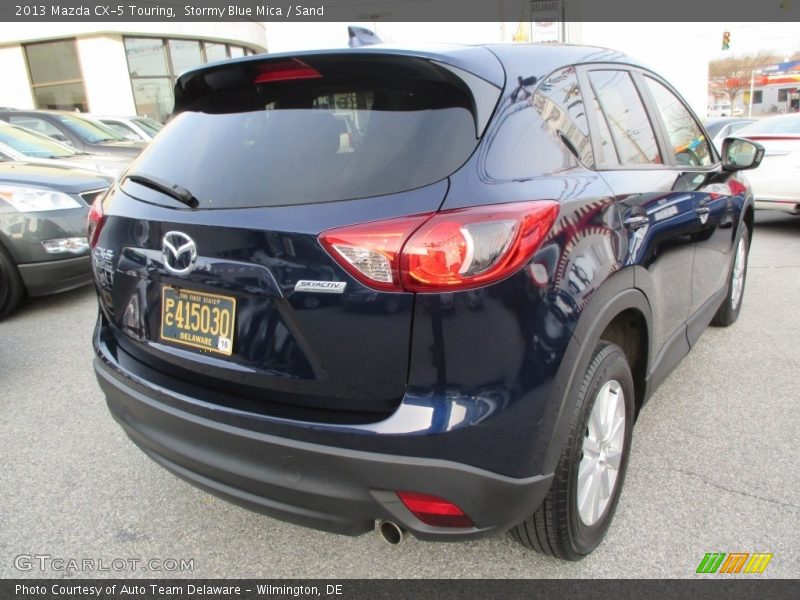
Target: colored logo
<point>734,562</point>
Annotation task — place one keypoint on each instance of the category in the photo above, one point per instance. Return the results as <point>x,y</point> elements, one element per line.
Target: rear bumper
<point>51,277</point>
<point>324,487</point>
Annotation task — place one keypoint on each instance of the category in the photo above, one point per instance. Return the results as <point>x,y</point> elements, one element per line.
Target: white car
<point>776,183</point>
<point>138,129</point>
<point>720,128</point>
<point>24,145</point>
<point>720,109</point>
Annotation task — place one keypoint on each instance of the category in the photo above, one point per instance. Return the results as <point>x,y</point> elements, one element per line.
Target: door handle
<point>636,222</point>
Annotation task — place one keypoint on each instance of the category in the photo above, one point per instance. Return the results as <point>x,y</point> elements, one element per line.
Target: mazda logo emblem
<point>179,251</point>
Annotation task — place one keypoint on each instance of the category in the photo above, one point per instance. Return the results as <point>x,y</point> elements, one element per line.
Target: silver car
<point>724,127</point>
<point>20,144</point>
<point>136,128</point>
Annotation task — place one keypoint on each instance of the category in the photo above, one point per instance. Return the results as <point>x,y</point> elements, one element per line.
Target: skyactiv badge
<point>324,287</point>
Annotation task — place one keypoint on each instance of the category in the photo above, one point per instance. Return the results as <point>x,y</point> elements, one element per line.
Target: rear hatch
<point>208,262</point>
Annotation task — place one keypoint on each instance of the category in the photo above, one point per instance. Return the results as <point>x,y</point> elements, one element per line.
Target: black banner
<point>441,589</point>
<point>399,10</point>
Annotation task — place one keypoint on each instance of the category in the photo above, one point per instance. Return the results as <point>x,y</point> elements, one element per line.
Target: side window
<point>123,130</point>
<point>686,138</point>
<point>626,117</point>
<point>39,125</point>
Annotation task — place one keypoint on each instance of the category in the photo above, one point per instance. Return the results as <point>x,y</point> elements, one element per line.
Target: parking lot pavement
<point>713,467</point>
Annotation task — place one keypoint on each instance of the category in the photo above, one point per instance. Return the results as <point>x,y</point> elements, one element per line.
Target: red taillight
<point>435,511</point>
<point>95,221</point>
<point>371,252</point>
<point>285,70</point>
<point>737,188</point>
<point>443,252</point>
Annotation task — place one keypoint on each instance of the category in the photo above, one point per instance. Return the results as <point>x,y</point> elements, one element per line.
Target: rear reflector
<point>285,70</point>
<point>443,252</point>
<point>435,511</point>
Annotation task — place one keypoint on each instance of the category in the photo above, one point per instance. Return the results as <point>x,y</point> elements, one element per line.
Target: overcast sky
<point>746,38</point>
<point>750,38</point>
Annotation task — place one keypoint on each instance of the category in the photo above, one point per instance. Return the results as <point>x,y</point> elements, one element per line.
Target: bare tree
<point>728,77</point>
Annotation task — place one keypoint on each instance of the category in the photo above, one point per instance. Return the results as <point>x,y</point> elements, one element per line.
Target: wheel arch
<point>614,308</point>
<point>8,247</point>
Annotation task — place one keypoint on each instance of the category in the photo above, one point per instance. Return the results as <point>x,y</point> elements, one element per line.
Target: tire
<point>728,312</point>
<point>11,286</point>
<point>561,526</point>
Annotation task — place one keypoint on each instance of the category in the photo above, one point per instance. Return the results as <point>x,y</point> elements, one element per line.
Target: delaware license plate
<point>197,319</point>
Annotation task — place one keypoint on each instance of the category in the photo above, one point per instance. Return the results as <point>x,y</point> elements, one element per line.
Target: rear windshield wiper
<point>180,194</point>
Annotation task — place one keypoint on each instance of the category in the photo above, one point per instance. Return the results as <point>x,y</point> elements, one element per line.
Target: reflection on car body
<point>527,240</point>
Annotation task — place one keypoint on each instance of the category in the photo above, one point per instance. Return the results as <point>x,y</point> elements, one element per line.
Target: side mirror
<point>739,154</point>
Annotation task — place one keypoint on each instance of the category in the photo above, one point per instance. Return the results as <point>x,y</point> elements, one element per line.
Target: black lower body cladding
<point>323,487</point>
<point>56,276</point>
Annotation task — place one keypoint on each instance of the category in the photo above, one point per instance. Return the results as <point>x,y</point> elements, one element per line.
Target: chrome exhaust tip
<point>390,532</point>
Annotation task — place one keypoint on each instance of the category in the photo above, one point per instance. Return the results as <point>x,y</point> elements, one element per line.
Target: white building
<point>773,94</point>
<point>112,68</point>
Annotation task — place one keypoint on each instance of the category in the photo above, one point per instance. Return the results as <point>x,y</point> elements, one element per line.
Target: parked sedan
<point>136,128</point>
<point>43,246</point>
<point>719,129</point>
<point>20,144</point>
<point>81,133</point>
<point>776,183</point>
<point>447,328</point>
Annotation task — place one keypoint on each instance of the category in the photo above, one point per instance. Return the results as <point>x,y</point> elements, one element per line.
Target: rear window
<point>327,128</point>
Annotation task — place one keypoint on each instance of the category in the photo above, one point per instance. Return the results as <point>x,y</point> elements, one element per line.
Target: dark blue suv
<point>429,288</point>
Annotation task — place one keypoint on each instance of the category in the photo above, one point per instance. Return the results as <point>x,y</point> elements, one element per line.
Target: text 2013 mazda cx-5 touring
<point>445,323</point>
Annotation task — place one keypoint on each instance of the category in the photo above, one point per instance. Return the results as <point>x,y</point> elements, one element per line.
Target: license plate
<point>197,319</point>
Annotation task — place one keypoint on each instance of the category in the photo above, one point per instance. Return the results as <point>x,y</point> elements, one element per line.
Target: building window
<point>215,51</point>
<point>783,94</point>
<point>55,72</point>
<point>758,97</point>
<point>184,54</point>
<point>154,65</point>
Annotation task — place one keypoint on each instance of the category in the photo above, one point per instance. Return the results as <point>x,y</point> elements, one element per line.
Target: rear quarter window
<point>541,127</point>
